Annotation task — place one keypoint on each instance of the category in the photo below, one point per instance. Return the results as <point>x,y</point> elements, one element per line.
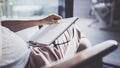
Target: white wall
<point>82,8</point>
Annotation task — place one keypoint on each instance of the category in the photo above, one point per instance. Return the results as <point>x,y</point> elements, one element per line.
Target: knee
<point>84,43</point>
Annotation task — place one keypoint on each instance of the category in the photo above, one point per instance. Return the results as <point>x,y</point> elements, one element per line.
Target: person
<point>16,53</point>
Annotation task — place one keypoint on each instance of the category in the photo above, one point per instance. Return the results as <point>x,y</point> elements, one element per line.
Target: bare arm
<point>16,25</point>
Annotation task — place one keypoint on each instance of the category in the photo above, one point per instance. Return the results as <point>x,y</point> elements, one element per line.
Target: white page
<point>48,34</point>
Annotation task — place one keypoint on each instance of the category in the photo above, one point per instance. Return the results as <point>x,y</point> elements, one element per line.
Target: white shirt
<point>15,52</point>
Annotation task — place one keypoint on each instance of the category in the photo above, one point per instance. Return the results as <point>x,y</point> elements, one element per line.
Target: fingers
<point>55,22</point>
<point>54,19</point>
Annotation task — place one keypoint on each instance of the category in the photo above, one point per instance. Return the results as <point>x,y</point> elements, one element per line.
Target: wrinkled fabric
<point>15,52</point>
<point>64,47</point>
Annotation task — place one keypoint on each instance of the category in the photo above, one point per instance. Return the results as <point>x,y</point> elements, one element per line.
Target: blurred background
<point>98,19</point>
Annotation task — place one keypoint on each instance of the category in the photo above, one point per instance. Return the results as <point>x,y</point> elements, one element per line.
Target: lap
<point>64,47</point>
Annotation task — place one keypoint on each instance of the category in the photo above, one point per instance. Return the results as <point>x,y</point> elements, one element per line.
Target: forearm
<point>16,25</point>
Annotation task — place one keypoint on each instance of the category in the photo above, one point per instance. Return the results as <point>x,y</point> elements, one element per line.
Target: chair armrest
<point>81,58</point>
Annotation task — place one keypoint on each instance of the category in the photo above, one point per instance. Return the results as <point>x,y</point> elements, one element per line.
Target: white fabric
<point>15,52</point>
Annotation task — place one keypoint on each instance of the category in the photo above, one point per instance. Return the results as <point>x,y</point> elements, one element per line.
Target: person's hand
<point>52,19</point>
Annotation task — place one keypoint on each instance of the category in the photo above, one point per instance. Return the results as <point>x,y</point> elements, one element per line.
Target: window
<point>34,9</point>
<point>30,8</point>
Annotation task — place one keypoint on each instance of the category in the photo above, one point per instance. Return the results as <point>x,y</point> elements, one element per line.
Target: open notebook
<point>47,34</point>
